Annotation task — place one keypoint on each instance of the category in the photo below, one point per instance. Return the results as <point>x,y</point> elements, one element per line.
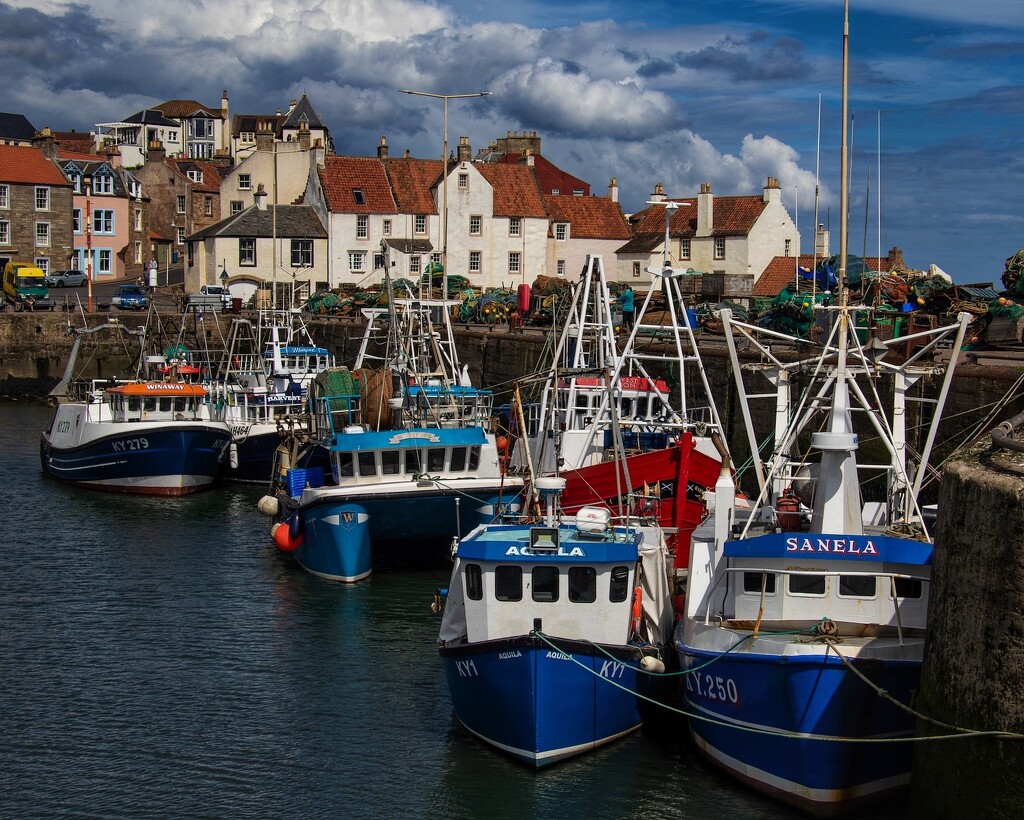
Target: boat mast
<point>844,206</point>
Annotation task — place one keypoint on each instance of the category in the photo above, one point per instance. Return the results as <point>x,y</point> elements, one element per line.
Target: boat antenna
<point>878,188</point>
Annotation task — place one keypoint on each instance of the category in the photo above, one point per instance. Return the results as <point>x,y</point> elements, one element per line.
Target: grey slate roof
<point>151,116</point>
<point>410,245</point>
<point>303,112</point>
<point>16,127</point>
<point>293,222</point>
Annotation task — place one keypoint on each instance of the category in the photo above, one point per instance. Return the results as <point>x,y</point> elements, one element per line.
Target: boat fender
<point>295,527</point>
<point>269,506</point>
<point>233,455</point>
<point>649,663</point>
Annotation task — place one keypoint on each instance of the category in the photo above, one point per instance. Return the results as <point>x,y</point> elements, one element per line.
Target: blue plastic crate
<point>301,477</point>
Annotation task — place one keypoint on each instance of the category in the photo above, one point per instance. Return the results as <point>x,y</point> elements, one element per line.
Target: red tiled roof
<point>411,182</point>
<point>591,217</point>
<point>781,271</point>
<point>731,216</point>
<point>185,108</point>
<point>211,173</point>
<point>29,166</point>
<point>341,176</point>
<point>80,155</point>
<point>549,176</point>
<point>516,192</point>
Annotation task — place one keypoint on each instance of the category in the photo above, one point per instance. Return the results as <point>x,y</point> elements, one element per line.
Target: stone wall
<point>974,660</point>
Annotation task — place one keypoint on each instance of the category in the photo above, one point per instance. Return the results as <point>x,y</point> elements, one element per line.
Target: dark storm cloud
<point>753,58</point>
<point>656,68</point>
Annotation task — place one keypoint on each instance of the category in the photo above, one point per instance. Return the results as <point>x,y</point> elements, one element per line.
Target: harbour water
<point>159,658</point>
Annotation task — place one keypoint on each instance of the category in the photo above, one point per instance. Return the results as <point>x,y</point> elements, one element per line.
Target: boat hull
<point>253,450</point>
<point>798,695</point>
<point>541,706</point>
<point>174,460</point>
<point>343,536</point>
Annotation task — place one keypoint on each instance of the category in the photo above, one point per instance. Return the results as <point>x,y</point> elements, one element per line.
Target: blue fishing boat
<point>150,435</point>
<point>413,463</point>
<point>804,627</point>
<point>552,630</point>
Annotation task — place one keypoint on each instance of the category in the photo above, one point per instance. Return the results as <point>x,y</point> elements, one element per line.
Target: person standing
<point>627,306</point>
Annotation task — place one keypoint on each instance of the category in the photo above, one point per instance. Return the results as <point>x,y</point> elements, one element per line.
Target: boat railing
<point>332,414</point>
<point>786,572</point>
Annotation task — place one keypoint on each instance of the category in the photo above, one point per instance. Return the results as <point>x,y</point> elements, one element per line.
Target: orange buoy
<point>523,299</point>
<point>283,538</point>
<point>638,607</point>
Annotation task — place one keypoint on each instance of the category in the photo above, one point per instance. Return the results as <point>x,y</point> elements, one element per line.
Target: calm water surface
<point>158,658</point>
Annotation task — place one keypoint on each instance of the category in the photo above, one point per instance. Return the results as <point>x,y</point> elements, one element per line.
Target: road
<point>103,291</point>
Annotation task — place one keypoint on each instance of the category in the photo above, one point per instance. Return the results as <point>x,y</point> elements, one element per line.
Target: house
<point>726,241</point>
<point>785,270</point>
<point>353,198</point>
<point>184,197</point>
<point>35,209</point>
<point>516,149</point>
<point>15,129</point>
<point>182,127</point>
<point>583,226</point>
<point>109,217</point>
<point>282,168</point>
<point>300,123</point>
<point>283,247</point>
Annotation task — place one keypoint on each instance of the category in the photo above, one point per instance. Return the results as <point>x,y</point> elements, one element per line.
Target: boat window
<point>345,465</point>
<point>179,404</point>
<point>412,461</point>
<point>857,586</point>
<point>134,403</point>
<point>166,403</point>
<point>806,584</point>
<point>626,408</point>
<point>367,464</point>
<point>474,582</point>
<point>390,462</point>
<point>582,585</point>
<point>508,583</point>
<point>619,585</point>
<point>474,459</point>
<point>149,404</point>
<point>909,588</point>
<point>545,584</point>
<point>458,459</point>
<point>752,582</point>
<point>435,460</point>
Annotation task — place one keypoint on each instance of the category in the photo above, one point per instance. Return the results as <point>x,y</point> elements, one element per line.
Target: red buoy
<point>523,299</point>
<point>283,538</point>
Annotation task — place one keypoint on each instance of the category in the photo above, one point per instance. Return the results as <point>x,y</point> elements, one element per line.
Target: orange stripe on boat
<point>158,389</point>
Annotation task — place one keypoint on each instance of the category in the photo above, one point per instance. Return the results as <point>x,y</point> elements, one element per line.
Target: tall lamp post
<point>88,238</point>
<point>444,176</point>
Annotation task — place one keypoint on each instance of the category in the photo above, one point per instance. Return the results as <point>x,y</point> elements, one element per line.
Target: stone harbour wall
<point>974,660</point>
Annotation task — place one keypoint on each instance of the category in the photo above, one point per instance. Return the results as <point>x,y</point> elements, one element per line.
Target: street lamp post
<point>444,177</point>
<point>88,239</point>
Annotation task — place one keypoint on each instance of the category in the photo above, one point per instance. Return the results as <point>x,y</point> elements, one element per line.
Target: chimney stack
<point>659,193</point>
<point>705,210</point>
<point>613,189</point>
<point>303,136</point>
<point>156,151</point>
<point>260,197</point>
<point>772,191</point>
<point>465,150</point>
<point>382,148</point>
<point>44,141</point>
<point>896,259</point>
<point>821,249</point>
<point>264,136</point>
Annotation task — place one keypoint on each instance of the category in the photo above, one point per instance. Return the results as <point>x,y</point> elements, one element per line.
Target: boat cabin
<point>156,401</point>
<point>562,580</point>
<point>866,585</point>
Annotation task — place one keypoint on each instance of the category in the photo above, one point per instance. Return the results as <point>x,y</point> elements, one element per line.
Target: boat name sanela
<point>575,552</point>
<point>839,546</point>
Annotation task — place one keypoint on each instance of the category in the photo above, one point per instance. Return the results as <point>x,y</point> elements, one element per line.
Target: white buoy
<point>649,663</point>
<point>269,506</point>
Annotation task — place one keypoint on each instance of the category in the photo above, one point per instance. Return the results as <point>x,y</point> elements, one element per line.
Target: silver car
<point>66,279</point>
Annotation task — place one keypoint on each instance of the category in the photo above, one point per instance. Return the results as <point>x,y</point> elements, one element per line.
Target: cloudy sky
<point>647,91</point>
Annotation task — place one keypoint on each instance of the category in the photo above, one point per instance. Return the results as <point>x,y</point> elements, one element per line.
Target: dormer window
<point>195,175</point>
<point>103,184</point>
<point>357,195</point>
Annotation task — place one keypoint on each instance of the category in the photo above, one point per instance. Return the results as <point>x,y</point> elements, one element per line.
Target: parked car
<point>130,297</point>
<point>67,279</point>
